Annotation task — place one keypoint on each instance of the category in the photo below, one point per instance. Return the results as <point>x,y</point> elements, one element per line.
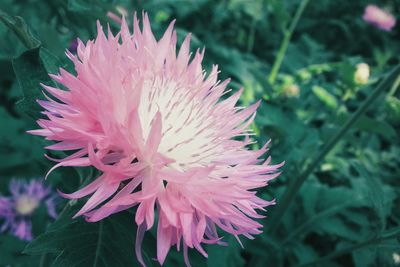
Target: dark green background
<point>348,208</point>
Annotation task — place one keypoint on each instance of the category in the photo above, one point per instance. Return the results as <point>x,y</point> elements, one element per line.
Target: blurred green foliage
<point>346,213</point>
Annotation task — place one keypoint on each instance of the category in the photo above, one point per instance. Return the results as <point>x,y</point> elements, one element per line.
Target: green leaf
<point>16,147</point>
<point>30,72</point>
<point>50,61</point>
<point>392,106</point>
<point>225,256</point>
<point>376,193</point>
<point>19,27</point>
<point>334,201</point>
<point>304,253</point>
<point>364,257</point>
<point>338,227</point>
<point>385,238</point>
<point>11,255</point>
<point>371,125</point>
<point>109,242</point>
<point>339,211</point>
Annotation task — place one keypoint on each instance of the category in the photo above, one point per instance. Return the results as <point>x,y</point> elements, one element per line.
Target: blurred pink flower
<point>379,18</point>
<point>158,129</point>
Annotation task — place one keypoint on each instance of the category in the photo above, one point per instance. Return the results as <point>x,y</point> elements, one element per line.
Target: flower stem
<point>251,36</point>
<point>387,235</point>
<point>295,185</point>
<point>394,88</point>
<point>285,43</point>
<point>304,226</point>
<point>42,262</point>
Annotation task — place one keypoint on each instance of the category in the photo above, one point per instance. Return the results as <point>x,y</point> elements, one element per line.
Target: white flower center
<point>26,205</point>
<point>361,75</point>
<point>188,135</point>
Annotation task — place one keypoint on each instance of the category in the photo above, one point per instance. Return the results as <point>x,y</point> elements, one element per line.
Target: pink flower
<point>379,18</point>
<point>158,129</point>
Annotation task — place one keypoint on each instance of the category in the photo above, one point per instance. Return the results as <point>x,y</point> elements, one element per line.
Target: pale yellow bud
<point>292,90</point>
<point>361,75</point>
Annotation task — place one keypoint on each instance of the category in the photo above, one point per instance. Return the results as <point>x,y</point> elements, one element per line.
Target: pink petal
<point>164,237</point>
<point>89,189</point>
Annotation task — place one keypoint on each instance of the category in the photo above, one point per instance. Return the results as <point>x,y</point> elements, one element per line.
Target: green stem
<point>285,43</point>
<point>251,36</point>
<point>391,234</point>
<point>295,185</point>
<point>326,213</point>
<point>394,88</point>
<point>324,67</point>
<point>43,260</point>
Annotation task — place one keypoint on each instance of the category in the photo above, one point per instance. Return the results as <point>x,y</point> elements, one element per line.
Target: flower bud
<point>361,75</point>
<point>292,90</point>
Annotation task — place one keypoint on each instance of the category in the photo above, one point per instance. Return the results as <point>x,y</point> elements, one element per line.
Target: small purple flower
<point>379,18</point>
<point>17,209</point>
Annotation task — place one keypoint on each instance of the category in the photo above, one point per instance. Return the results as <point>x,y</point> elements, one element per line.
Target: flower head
<point>16,210</point>
<point>292,90</point>
<point>158,129</point>
<point>379,18</point>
